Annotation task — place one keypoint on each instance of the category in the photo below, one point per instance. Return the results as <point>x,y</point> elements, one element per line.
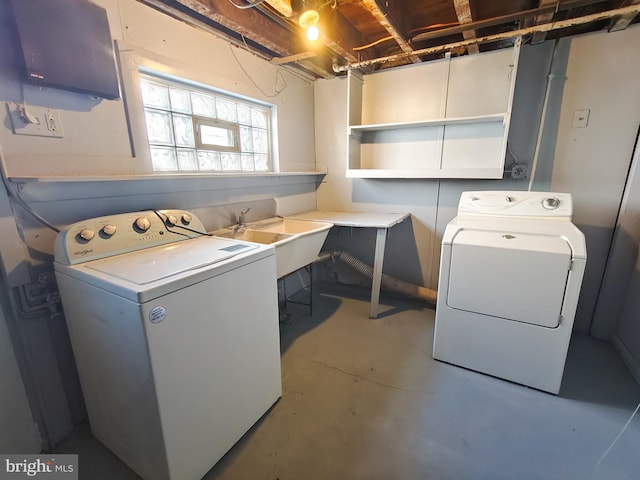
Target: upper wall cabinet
<point>442,119</point>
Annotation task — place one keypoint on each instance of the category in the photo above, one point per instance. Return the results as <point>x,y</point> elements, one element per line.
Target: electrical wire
<point>13,194</point>
<point>385,39</point>
<point>615,440</point>
<point>164,218</point>
<point>278,89</point>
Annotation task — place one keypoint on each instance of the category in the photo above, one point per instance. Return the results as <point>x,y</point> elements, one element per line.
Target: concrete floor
<point>363,399</point>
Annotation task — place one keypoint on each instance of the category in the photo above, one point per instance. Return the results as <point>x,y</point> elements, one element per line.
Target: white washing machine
<point>175,335</point>
<point>510,275</point>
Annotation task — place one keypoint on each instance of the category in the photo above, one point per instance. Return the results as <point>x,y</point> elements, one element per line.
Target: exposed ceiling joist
<point>623,21</point>
<point>492,22</point>
<point>387,22</point>
<point>539,37</point>
<point>249,23</point>
<point>547,27</point>
<point>463,11</point>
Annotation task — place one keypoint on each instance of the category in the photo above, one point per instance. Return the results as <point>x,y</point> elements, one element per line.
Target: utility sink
<point>297,242</point>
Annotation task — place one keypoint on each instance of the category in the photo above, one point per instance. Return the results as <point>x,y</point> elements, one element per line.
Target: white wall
<point>592,163</point>
<point>597,71</point>
<point>93,171</point>
<point>413,248</point>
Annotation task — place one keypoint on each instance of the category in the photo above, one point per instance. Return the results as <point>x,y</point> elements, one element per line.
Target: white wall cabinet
<point>442,119</point>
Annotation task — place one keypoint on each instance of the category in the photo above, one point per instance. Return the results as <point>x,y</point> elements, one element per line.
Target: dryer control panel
<point>549,205</point>
<point>126,232</point>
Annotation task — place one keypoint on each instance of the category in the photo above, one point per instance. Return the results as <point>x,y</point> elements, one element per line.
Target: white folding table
<point>382,222</point>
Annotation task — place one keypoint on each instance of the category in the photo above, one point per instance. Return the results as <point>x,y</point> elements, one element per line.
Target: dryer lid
<point>516,276</point>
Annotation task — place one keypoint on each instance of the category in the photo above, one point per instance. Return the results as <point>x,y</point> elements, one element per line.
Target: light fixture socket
<point>309,18</point>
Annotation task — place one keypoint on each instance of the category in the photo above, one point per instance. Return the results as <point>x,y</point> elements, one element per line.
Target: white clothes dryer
<point>175,335</point>
<point>511,269</point>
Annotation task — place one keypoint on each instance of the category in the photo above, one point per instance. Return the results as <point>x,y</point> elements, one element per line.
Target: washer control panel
<point>517,204</point>
<point>127,232</point>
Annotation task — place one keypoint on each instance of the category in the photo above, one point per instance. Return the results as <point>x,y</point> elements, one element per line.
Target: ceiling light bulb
<point>313,33</point>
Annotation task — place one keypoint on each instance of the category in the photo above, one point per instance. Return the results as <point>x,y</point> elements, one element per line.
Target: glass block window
<point>193,129</point>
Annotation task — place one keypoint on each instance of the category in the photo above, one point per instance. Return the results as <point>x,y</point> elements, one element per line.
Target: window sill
<point>46,188</point>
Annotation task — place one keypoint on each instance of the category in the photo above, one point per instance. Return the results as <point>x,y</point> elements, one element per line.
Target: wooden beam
<point>539,37</point>
<point>492,22</point>
<point>546,27</point>
<point>282,6</point>
<point>463,11</point>
<point>389,25</point>
<point>623,21</point>
<point>292,58</point>
<point>249,23</point>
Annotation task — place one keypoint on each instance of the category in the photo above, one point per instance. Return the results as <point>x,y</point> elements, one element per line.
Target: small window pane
<point>158,126</point>
<point>226,110</point>
<point>187,159</point>
<point>180,100</point>
<point>163,159</point>
<point>244,114</point>
<point>230,161</point>
<point>209,161</point>
<point>259,118</point>
<point>219,136</point>
<point>260,141</point>
<point>203,105</point>
<point>246,143</point>
<point>154,95</point>
<point>247,162</point>
<point>262,163</point>
<point>183,129</point>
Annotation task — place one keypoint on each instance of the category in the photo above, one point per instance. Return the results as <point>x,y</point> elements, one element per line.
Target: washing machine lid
<point>154,264</point>
<point>512,275</point>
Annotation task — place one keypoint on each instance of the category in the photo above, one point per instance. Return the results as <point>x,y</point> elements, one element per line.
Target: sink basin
<point>297,242</point>
<point>256,236</point>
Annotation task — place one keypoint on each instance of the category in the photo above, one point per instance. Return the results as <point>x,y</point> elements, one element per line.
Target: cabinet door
<point>405,94</point>
<point>480,84</point>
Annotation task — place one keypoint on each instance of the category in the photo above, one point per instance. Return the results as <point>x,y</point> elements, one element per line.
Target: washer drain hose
<point>409,289</point>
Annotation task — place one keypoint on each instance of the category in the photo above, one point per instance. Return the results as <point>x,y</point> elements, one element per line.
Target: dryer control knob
<point>143,223</point>
<point>109,230</point>
<point>172,221</point>
<point>551,203</point>
<point>87,234</point>
<point>186,218</point>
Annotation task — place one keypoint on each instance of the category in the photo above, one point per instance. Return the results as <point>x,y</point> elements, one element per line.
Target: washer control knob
<point>87,234</point>
<point>109,230</point>
<point>172,221</point>
<point>550,203</point>
<point>186,218</point>
<point>143,223</point>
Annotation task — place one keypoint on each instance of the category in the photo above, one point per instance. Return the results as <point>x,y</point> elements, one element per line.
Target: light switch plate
<point>580,118</point>
<point>34,120</point>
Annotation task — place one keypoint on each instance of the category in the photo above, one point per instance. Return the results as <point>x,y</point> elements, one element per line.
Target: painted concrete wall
<point>17,428</point>
<point>596,71</point>
<point>101,167</point>
<point>592,163</point>
<point>617,313</point>
<point>413,248</point>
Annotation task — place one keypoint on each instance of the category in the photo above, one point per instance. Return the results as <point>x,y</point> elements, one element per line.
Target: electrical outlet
<point>519,171</point>
<point>34,120</point>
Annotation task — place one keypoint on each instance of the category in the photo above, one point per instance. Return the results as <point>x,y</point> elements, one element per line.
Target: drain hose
<point>409,289</point>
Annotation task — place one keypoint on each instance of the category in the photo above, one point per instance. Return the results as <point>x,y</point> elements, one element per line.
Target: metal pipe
<point>546,27</point>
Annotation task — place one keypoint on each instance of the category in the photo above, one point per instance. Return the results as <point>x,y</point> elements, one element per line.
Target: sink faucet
<point>242,221</point>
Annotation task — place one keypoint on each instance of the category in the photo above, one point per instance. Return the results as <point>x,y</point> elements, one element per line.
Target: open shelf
<point>443,119</point>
